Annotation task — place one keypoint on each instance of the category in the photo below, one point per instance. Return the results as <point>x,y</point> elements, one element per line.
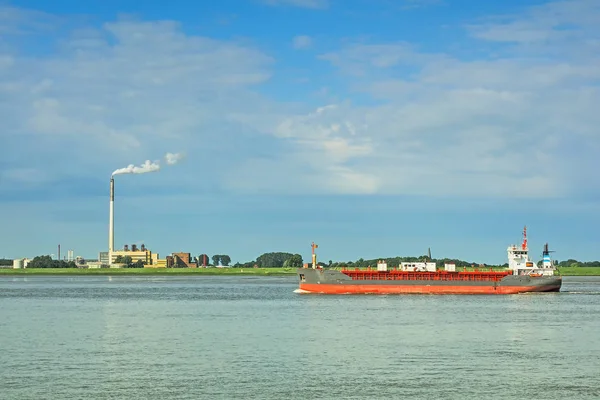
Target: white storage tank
<point>18,263</point>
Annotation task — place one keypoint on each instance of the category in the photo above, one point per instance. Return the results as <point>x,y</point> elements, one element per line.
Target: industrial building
<point>150,259</point>
<point>103,257</point>
<point>181,260</point>
<point>142,254</point>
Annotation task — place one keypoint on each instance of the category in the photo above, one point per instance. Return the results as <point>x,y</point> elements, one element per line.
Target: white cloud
<point>322,149</point>
<point>552,21</point>
<point>19,21</point>
<point>173,158</point>
<point>315,4</point>
<point>124,93</point>
<point>302,42</point>
<point>514,126</point>
<point>360,58</point>
<point>519,125</point>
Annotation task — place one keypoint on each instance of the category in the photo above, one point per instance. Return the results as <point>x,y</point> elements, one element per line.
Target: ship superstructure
<point>521,264</point>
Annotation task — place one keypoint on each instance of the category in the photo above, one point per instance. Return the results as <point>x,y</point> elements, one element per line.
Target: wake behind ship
<point>522,275</point>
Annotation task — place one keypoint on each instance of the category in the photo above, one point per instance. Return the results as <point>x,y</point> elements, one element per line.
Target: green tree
<point>127,260</point>
<point>48,262</point>
<point>272,260</point>
<point>216,258</point>
<point>119,259</point>
<point>43,262</point>
<point>225,260</point>
<point>295,261</point>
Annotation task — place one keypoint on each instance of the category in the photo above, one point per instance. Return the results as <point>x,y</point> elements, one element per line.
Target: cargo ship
<point>522,275</point>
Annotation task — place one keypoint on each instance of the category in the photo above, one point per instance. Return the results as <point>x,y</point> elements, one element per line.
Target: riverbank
<point>149,271</point>
<point>570,271</point>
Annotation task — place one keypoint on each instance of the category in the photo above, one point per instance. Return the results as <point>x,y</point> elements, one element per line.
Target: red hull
<point>421,289</point>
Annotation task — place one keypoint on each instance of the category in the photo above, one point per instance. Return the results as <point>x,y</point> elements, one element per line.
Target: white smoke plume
<point>149,166</point>
<point>146,167</point>
<point>173,158</point>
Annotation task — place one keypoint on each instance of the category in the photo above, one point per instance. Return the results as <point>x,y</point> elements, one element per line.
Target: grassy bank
<point>579,271</point>
<point>150,271</point>
<point>567,271</point>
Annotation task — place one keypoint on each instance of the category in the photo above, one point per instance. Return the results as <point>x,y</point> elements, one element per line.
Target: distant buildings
<point>150,259</point>
<point>142,254</point>
<point>103,257</point>
<point>129,254</point>
<point>180,260</point>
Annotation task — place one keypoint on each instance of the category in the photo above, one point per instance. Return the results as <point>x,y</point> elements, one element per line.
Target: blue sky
<point>374,128</point>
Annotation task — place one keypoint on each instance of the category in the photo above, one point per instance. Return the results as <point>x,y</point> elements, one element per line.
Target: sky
<point>375,128</point>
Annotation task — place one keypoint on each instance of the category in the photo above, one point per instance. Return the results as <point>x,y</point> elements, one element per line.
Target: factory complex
<point>146,257</point>
<point>126,257</point>
<point>142,256</point>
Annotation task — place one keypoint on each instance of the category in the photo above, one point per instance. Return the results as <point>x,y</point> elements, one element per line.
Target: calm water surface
<point>253,338</point>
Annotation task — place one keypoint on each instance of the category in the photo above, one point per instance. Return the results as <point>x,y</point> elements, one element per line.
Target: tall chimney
<point>111,221</point>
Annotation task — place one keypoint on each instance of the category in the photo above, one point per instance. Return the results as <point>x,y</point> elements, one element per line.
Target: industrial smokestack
<point>146,167</point>
<point>111,221</point>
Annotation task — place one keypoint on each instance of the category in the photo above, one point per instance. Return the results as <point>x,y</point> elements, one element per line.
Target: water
<point>96,337</point>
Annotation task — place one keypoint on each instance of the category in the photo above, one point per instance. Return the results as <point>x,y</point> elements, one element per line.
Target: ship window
<point>302,279</point>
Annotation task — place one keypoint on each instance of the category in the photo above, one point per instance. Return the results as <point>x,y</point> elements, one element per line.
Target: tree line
<point>266,260</point>
<point>128,261</point>
<point>48,262</point>
<point>574,263</point>
<point>289,260</point>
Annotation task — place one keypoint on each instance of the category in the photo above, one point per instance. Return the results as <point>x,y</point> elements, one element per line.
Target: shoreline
<point>149,271</point>
<point>570,271</point>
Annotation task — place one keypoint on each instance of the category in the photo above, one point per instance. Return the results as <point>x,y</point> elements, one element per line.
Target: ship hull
<point>422,289</point>
<point>335,282</point>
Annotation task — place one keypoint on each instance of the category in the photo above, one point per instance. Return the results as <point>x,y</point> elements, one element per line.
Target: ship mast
<point>518,259</point>
<point>314,256</point>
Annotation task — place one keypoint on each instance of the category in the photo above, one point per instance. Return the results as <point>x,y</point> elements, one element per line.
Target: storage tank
<point>18,263</point>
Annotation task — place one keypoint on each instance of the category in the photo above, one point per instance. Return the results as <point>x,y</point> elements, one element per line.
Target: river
<point>223,337</point>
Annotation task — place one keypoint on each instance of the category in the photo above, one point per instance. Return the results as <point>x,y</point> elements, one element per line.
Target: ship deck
<point>398,275</point>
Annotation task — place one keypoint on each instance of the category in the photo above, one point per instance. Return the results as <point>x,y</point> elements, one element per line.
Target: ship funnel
<point>546,261</point>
